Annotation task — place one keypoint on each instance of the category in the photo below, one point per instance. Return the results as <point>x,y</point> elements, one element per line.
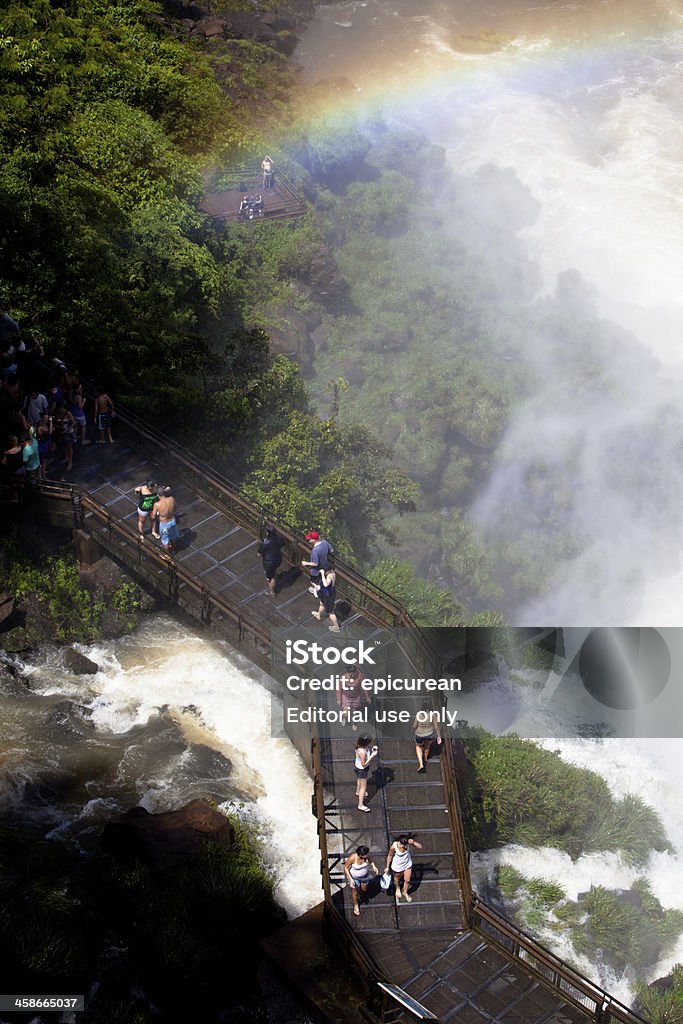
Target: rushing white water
<point>165,666</point>
<point>647,767</point>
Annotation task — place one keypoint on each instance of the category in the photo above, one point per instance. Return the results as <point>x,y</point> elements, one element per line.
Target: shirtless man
<point>167,530</point>
<point>104,411</point>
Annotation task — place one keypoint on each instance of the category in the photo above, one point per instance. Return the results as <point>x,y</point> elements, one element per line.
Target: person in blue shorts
<point>167,529</point>
<point>327,596</point>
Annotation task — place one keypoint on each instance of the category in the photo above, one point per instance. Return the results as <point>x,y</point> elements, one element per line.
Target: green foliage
<point>525,794</point>
<point>334,151</point>
<point>661,1004</point>
<point>336,479</point>
<point>75,614</point>
<point>429,605</point>
<point>631,932</point>
<point>118,929</point>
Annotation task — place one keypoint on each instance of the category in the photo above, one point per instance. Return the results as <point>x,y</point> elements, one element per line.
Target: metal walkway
<point>447,956</point>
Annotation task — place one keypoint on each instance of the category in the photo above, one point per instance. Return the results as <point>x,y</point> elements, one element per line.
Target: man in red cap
<point>320,558</point>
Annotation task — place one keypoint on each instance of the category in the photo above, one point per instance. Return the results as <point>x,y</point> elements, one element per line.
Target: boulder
<point>323,274</point>
<point>168,839</point>
<point>17,640</point>
<point>211,27</point>
<point>78,663</point>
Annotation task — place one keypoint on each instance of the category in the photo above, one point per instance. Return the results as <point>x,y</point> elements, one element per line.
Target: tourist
<point>103,415</point>
<point>327,595</point>
<point>321,553</point>
<point>359,869</point>
<point>270,550</point>
<point>426,729</point>
<point>167,529</point>
<point>13,462</point>
<point>148,496</point>
<point>31,455</point>
<point>268,172</point>
<point>64,426</point>
<point>400,861</point>
<point>361,766</point>
<point>45,443</point>
<point>351,695</point>
<point>76,406</point>
<point>35,406</point>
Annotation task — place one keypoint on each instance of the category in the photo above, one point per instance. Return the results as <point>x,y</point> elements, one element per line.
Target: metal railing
<point>598,1004</point>
<point>364,596</point>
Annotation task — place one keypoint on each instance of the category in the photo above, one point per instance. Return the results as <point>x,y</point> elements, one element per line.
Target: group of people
<point>251,206</point>
<point>42,410</point>
<point>158,505</point>
<point>360,870</point>
<point>322,576</point>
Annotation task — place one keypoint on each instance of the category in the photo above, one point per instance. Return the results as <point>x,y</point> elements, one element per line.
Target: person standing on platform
<point>358,869</point>
<point>268,171</point>
<point>321,552</point>
<point>400,861</point>
<point>104,413</point>
<point>426,729</point>
<point>361,767</point>
<point>147,496</point>
<point>351,695</point>
<point>327,595</point>
<point>167,530</point>
<point>270,550</point>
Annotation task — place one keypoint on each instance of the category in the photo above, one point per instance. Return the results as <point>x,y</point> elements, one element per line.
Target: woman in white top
<point>359,872</point>
<point>400,862</point>
<point>361,766</point>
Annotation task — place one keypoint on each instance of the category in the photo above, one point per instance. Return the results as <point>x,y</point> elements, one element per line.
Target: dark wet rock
<point>211,27</point>
<point>78,663</point>
<point>335,86</point>
<point>17,640</point>
<point>323,275</point>
<point>206,763</point>
<point>67,719</point>
<point>8,604</point>
<point>12,682</point>
<point>289,335</point>
<point>168,839</point>
<point>396,341</point>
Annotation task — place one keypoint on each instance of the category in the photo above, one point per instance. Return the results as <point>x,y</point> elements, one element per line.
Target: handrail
<point>350,940</point>
<point>383,608</point>
<point>573,985</point>
<point>109,529</point>
<point>448,774</point>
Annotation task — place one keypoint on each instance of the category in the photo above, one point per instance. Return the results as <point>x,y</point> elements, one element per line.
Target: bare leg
<point>420,757</point>
<point>406,882</point>
<point>362,793</point>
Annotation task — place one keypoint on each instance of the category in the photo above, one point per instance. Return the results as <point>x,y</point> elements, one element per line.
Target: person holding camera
<point>400,861</point>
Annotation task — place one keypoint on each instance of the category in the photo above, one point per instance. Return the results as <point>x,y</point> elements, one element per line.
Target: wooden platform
<point>282,200</point>
<point>212,547</point>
